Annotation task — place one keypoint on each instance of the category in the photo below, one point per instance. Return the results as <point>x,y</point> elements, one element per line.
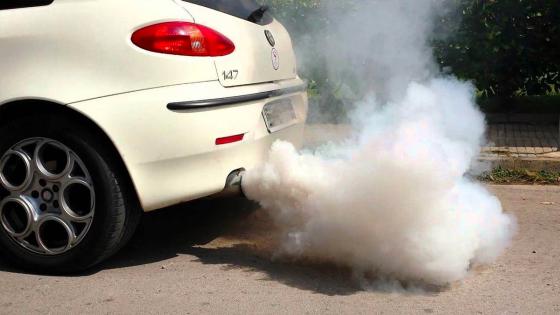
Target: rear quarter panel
<point>76,50</point>
<point>171,155</point>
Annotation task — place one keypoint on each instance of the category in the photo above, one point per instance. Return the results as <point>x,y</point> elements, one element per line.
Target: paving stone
<point>521,139</point>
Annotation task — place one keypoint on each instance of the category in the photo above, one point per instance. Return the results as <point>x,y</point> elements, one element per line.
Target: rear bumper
<point>171,154</point>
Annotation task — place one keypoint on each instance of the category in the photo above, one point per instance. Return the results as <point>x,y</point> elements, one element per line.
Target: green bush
<point>506,47</point>
<point>329,96</point>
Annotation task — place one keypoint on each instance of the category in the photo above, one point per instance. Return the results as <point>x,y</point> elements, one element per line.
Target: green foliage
<point>507,176</point>
<point>538,104</point>
<point>508,47</point>
<point>304,19</point>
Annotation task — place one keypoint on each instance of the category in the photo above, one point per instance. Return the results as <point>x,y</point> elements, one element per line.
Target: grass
<point>507,176</point>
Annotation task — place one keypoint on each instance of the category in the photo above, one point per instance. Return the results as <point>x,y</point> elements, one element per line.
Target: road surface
<point>214,257</point>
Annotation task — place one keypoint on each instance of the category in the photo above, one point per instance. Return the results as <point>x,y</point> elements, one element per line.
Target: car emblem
<point>270,38</point>
<point>275,59</point>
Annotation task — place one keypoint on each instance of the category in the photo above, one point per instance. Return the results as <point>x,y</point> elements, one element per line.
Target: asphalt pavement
<point>216,256</point>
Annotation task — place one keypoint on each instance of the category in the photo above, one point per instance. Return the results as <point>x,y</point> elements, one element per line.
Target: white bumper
<point>171,156</point>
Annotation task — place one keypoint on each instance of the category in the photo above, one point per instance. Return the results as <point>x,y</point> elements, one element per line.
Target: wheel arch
<point>26,107</point>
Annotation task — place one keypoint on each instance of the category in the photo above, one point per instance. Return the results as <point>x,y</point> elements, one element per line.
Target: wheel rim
<point>47,197</point>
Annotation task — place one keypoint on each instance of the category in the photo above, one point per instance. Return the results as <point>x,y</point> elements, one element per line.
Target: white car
<point>113,107</point>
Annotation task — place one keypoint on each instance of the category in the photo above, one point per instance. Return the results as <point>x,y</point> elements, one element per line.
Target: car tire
<point>69,224</point>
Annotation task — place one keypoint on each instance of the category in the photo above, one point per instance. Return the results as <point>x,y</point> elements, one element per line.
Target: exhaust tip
<point>233,184</point>
<point>235,178</point>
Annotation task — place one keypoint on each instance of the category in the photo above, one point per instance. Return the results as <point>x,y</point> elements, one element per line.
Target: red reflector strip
<point>230,139</point>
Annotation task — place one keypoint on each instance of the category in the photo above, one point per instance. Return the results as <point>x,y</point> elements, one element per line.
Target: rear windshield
<point>243,9</point>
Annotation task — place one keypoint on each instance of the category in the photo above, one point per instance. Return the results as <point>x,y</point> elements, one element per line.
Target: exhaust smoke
<point>393,200</point>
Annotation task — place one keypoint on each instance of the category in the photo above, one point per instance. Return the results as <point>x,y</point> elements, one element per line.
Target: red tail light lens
<point>183,38</point>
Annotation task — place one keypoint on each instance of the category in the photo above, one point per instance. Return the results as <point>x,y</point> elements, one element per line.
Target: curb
<point>535,164</point>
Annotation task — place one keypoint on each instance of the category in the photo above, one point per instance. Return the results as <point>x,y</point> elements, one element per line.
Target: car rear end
<point>181,140</point>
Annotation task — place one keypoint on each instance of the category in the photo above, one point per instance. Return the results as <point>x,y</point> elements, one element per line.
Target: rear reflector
<point>183,38</point>
<point>230,139</point>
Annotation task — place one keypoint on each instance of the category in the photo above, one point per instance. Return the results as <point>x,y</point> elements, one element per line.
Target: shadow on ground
<point>185,229</point>
<point>238,234</point>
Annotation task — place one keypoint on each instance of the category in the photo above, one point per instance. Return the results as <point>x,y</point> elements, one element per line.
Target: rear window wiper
<point>258,14</point>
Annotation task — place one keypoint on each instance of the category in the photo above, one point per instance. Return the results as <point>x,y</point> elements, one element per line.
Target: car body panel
<point>89,55</point>
<point>171,155</point>
<point>79,54</point>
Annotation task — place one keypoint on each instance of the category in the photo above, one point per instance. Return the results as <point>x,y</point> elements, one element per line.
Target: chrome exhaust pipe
<point>233,185</point>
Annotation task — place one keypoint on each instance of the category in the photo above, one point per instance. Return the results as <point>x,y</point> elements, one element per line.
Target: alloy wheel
<point>47,197</point>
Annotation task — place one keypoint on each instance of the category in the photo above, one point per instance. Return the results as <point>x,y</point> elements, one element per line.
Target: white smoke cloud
<point>393,200</point>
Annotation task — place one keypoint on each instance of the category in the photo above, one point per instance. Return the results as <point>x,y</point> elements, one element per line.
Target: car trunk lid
<point>264,51</point>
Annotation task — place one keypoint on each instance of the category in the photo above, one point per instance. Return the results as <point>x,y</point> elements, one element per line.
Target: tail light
<point>183,38</point>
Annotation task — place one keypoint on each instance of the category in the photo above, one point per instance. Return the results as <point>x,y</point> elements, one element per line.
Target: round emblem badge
<point>275,59</point>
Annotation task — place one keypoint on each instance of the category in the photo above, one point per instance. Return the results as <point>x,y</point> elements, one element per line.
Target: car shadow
<point>229,224</point>
<point>170,232</point>
<point>166,233</point>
